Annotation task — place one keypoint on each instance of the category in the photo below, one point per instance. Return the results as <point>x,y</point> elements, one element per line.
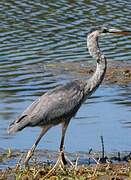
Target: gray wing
<point>62,102</point>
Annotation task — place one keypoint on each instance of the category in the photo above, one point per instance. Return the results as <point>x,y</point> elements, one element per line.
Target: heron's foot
<point>28,156</point>
<point>60,163</point>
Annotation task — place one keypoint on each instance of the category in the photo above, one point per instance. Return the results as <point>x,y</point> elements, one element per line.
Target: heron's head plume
<point>97,31</point>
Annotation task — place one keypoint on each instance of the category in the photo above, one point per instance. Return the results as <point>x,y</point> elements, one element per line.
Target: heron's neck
<point>93,83</point>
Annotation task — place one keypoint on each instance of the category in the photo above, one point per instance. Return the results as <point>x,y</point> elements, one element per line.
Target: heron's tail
<point>18,124</point>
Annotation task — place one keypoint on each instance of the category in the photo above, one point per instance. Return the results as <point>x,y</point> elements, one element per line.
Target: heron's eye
<point>105,31</point>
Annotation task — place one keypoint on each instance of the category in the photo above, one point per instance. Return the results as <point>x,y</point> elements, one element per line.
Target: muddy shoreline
<point>118,72</point>
<point>81,165</point>
<point>9,158</point>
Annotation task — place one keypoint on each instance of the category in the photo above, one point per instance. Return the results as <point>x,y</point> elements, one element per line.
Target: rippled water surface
<point>35,33</point>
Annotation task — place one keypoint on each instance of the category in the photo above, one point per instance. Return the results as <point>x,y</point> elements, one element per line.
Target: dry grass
<point>102,167</point>
<point>98,171</point>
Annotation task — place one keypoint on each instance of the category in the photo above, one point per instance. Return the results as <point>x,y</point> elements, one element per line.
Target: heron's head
<point>100,31</point>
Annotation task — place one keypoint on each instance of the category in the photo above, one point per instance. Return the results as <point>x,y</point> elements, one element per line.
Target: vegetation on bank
<point>103,168</point>
<point>106,171</point>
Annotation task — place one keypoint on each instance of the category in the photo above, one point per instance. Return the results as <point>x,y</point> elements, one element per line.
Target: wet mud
<point>118,72</point>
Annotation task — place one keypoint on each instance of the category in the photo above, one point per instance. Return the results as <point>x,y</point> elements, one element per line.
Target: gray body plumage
<point>53,107</point>
<point>62,103</point>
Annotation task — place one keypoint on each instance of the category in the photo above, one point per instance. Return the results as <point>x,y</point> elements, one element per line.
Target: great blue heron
<point>61,104</point>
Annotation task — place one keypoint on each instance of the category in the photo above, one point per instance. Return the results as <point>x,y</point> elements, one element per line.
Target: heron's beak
<point>119,32</point>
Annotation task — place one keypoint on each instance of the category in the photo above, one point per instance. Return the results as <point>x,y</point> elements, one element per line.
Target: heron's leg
<point>31,151</point>
<point>61,158</point>
<point>64,128</point>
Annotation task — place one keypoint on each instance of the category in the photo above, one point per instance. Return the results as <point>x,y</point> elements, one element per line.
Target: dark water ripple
<point>35,33</point>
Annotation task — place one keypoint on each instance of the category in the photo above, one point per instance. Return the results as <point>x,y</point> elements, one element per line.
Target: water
<point>35,33</point>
